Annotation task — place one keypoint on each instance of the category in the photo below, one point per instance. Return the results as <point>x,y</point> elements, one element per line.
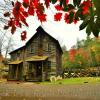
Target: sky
<point>66,34</point>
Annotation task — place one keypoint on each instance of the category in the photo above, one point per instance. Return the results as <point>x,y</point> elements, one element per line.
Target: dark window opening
<point>30,67</point>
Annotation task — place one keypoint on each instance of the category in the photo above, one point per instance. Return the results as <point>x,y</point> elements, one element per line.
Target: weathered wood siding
<point>42,45</point>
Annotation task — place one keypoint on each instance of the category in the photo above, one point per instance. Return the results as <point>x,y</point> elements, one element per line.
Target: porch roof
<point>15,62</point>
<point>37,58</point>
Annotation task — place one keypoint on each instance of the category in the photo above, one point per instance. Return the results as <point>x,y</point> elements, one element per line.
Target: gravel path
<point>32,91</point>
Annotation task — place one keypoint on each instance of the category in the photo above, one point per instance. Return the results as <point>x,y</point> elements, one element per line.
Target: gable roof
<point>40,30</point>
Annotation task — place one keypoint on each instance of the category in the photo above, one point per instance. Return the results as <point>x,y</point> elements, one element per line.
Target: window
<point>31,49</point>
<point>30,67</point>
<point>18,54</point>
<point>49,47</point>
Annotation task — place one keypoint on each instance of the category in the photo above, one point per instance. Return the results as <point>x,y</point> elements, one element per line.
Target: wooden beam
<point>42,72</point>
<point>17,72</point>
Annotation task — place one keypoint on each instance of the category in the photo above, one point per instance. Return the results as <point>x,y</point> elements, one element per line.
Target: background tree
<point>85,56</point>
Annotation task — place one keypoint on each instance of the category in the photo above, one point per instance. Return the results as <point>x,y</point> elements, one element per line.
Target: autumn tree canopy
<point>85,54</point>
<point>86,10</point>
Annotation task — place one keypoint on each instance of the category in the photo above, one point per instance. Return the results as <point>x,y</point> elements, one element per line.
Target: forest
<point>84,55</point>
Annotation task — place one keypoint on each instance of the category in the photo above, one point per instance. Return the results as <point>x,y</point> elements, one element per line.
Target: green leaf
<point>84,24</point>
<point>71,15</point>
<point>65,8</point>
<point>88,30</point>
<point>98,22</point>
<point>70,7</point>
<point>61,2</point>
<point>64,2</point>
<point>97,5</point>
<point>91,11</point>
<point>78,13</point>
<point>76,2</point>
<point>54,1</point>
<point>95,30</point>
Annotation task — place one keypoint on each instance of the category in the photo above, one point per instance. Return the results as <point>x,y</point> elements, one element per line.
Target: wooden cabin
<point>37,59</point>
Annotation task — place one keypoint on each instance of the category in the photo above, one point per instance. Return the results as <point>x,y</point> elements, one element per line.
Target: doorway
<point>39,70</point>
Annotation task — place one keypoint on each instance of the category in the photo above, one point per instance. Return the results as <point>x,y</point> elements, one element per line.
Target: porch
<point>36,70</point>
<point>15,70</point>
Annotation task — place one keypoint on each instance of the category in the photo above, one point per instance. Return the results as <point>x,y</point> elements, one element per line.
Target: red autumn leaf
<point>66,18</point>
<point>17,6</point>
<point>12,3</point>
<point>6,14</point>
<point>25,4</point>
<point>6,27</point>
<point>47,3</point>
<point>10,23</point>
<point>17,22</point>
<point>26,1</point>
<point>16,10</point>
<point>36,2</point>
<point>41,17</point>
<point>40,8</point>
<point>57,16</point>
<point>23,35</point>
<point>21,9</point>
<point>13,29</point>
<point>16,14</point>
<point>58,7</point>
<point>25,14</point>
<point>72,54</point>
<point>31,10</point>
<point>20,25</point>
<point>67,1</point>
<point>86,5</point>
<point>22,18</point>
<point>75,20</point>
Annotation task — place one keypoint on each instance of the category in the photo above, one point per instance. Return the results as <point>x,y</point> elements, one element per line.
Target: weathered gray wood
<point>40,45</point>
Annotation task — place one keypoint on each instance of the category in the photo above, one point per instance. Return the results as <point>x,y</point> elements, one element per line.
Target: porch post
<point>9,72</point>
<point>17,72</point>
<point>42,72</point>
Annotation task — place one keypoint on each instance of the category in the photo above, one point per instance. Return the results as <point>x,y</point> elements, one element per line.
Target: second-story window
<point>18,54</point>
<point>49,47</point>
<point>32,49</point>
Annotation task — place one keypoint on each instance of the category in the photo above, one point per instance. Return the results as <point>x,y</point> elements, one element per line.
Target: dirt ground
<point>33,91</point>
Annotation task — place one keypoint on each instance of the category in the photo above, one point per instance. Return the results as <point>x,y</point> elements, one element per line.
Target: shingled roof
<point>39,30</point>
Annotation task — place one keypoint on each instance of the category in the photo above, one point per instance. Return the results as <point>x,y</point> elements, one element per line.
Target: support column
<point>43,74</point>
<point>17,72</point>
<point>42,71</point>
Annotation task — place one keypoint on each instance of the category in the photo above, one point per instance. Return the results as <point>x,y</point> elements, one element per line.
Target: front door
<point>39,70</point>
<point>19,71</point>
<point>34,71</point>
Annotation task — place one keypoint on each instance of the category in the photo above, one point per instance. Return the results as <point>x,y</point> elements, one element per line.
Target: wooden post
<point>17,72</point>
<point>42,72</point>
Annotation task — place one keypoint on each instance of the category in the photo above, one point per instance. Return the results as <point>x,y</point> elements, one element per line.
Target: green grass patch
<point>81,80</point>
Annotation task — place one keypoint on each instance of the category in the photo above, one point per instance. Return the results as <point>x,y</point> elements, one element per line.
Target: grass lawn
<point>81,80</point>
